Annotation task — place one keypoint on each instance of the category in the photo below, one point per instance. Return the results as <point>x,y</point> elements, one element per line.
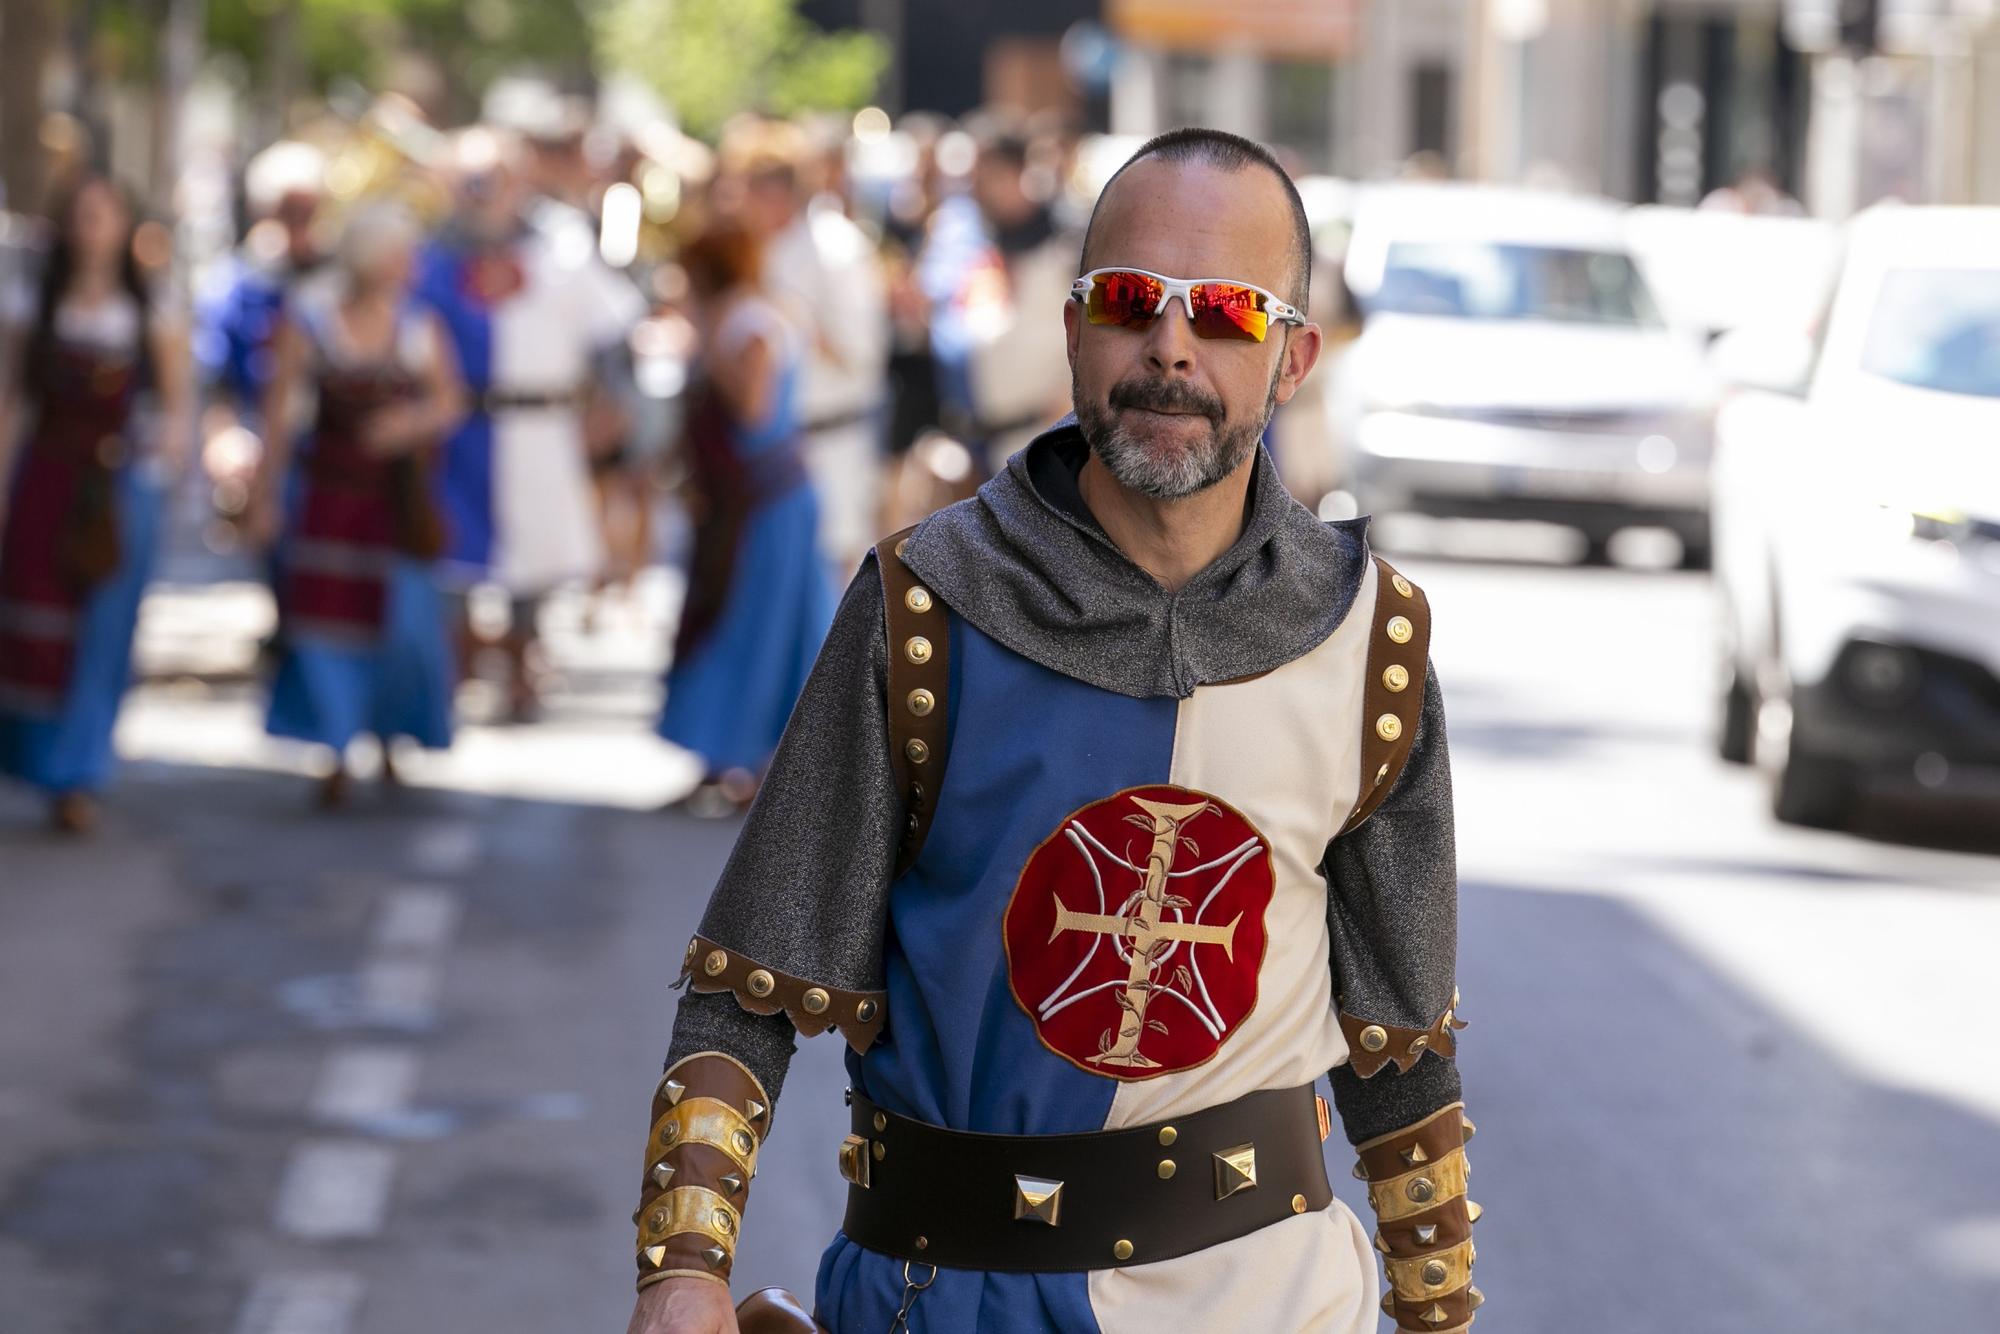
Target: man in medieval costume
<point>1193,853</point>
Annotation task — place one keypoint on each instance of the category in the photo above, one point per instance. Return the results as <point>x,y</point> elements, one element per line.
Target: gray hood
<point>1057,591</point>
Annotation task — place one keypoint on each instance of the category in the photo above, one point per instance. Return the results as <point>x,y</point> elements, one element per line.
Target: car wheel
<point>1811,790</point>
<point>1736,723</point>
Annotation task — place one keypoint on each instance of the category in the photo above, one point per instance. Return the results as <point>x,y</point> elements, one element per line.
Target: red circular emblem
<point>1136,932</point>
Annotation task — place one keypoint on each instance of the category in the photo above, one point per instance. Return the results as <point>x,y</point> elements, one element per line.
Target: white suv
<point>1857,523</point>
<point>1512,363</point>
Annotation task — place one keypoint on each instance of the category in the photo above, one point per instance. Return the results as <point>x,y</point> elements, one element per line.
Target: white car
<point>1857,521</point>
<point>1512,363</point>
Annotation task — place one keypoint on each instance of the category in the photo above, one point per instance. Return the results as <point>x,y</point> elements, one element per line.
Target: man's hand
<point>683,1306</point>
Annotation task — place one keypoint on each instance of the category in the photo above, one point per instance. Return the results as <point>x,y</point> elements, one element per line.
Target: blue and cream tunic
<point>1093,727</point>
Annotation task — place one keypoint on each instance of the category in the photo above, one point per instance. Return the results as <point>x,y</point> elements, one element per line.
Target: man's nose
<point>1170,343</point>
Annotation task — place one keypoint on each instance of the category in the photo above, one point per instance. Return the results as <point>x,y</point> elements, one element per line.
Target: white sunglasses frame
<point>1280,312</point>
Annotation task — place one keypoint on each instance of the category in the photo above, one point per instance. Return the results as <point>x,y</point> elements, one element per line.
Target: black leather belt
<point>1087,1201</point>
<point>499,400</point>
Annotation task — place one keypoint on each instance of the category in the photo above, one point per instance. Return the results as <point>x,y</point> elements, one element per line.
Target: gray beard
<point>1169,475</point>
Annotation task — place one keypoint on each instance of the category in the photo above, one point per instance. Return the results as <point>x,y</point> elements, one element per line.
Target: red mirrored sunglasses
<point>1217,307</point>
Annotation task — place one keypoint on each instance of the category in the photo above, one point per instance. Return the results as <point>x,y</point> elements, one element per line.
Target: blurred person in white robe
<point>823,271</point>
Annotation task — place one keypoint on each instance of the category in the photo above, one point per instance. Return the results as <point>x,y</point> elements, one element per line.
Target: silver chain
<point>901,1324</point>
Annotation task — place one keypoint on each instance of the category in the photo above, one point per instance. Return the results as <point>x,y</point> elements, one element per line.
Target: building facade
<point>1648,100</point>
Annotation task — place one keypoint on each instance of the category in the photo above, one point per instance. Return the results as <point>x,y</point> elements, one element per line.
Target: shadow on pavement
<point>1658,1154</point>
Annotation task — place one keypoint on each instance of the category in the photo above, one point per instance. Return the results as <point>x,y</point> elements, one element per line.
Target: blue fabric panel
<point>401,686</point>
<point>958,1050</point>
<point>729,699</point>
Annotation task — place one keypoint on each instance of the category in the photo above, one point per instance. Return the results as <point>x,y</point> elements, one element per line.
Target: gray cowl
<point>1055,589</point>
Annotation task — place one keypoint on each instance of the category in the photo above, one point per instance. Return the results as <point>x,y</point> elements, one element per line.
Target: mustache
<point>1165,396</point>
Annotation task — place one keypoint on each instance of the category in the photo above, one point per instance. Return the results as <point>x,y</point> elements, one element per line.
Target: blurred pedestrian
<point>243,296</point>
<point>1756,193</point>
<point>1019,376</point>
<point>758,600</point>
<point>376,390</point>
<point>81,467</point>
<point>823,272</point>
<point>239,306</point>
<point>528,312</point>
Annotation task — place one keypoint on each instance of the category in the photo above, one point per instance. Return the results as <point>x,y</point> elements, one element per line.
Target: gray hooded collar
<point>1057,591</point>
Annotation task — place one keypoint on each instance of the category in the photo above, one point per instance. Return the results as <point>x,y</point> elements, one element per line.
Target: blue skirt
<point>728,700</point>
<point>70,750</point>
<point>399,686</point>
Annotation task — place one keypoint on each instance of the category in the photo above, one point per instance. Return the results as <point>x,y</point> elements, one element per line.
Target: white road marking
<point>301,1304</point>
<point>399,980</point>
<point>421,918</point>
<point>335,1190</point>
<point>447,847</point>
<point>360,1084</point>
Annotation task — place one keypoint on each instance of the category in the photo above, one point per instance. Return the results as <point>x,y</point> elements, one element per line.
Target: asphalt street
<point>265,1070</point>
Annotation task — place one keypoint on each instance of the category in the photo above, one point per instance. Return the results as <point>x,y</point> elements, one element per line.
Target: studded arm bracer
<point>1416,1186</point>
<point>710,1117</point>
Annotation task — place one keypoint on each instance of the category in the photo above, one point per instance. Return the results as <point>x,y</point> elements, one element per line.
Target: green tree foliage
<point>711,59</point>
<point>470,41</point>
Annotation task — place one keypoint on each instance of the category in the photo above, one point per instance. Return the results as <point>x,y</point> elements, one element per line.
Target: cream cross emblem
<point>1147,930</point>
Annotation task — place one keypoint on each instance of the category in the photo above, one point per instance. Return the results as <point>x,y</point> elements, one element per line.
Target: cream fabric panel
<point>1284,749</point>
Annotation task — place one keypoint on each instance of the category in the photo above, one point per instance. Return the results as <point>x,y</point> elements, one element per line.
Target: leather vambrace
<point>1416,1186</point>
<point>710,1117</point>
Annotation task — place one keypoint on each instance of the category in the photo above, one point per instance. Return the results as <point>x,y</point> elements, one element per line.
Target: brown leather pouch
<point>775,1311</point>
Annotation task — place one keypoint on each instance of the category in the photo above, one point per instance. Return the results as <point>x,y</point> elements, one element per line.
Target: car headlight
<point>1952,526</point>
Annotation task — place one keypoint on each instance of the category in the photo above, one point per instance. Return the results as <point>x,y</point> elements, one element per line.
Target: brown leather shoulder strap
<point>919,670</point>
<point>1392,697</point>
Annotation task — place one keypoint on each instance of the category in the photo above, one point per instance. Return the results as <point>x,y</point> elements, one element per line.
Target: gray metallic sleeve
<point>805,891</point>
<point>1393,916</point>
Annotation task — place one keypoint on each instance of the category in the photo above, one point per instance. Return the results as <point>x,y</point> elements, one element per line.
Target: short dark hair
<point>1230,152</point>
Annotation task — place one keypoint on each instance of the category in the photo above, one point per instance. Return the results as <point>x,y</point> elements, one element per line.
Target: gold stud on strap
<point>1400,630</point>
<point>918,599</point>
<point>1388,727</point>
<point>707,1121</point>
<point>921,702</point>
<point>917,649</point>
<point>1235,1170</point>
<point>917,750</point>
<point>690,1209</point>
<point>1402,585</point>
<point>1396,677</point>
<point>1415,1191</point>
<point>854,1165</point>
<point>1039,1200</point>
<point>815,1000</point>
<point>1426,1277</point>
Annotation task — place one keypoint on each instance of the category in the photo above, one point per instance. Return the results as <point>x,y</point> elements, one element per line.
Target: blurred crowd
<point>401,364</point>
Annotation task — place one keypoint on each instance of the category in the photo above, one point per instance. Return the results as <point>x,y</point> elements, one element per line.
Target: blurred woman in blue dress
<point>370,376</point>
<point>758,602</point>
<point>95,412</point>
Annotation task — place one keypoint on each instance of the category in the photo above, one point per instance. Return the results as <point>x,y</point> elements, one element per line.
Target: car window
<point>1485,281</point>
<point>1937,329</point>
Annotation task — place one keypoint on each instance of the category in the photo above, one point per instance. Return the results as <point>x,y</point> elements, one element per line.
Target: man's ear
<point>1301,354</point>
<point>1072,330</point>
